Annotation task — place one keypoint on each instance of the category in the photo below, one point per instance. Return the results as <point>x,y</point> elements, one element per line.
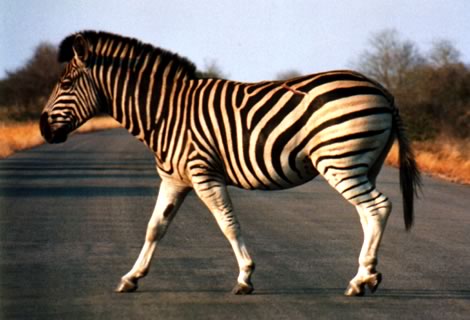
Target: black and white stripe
<point>209,133</point>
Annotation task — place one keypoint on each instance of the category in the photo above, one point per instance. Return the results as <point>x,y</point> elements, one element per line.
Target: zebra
<point>207,134</point>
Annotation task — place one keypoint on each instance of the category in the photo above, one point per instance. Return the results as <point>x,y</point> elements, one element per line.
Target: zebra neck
<point>140,99</point>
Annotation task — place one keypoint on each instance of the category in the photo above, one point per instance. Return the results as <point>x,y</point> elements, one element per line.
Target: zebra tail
<point>410,178</point>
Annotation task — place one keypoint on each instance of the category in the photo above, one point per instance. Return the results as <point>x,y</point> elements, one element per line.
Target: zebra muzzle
<point>52,134</point>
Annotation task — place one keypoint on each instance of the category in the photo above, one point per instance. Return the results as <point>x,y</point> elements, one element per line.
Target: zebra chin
<point>52,134</point>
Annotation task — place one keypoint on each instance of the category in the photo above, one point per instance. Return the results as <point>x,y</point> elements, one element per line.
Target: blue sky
<point>250,40</point>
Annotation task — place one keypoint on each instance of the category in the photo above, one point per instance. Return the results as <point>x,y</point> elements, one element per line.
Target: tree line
<point>24,92</point>
<point>432,89</point>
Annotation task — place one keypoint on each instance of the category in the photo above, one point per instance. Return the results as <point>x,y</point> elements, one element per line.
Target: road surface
<point>73,219</point>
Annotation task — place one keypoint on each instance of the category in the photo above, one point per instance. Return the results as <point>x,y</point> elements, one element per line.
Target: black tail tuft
<point>410,178</point>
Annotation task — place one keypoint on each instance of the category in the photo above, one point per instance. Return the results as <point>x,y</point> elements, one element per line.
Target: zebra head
<point>75,98</point>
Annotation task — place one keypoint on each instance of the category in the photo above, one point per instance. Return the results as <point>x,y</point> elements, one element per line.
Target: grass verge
<point>443,157</point>
<point>16,136</point>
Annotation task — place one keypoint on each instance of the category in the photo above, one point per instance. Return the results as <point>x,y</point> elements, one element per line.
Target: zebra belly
<point>276,179</point>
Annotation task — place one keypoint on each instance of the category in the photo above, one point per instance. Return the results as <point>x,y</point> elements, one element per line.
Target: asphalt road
<point>73,218</point>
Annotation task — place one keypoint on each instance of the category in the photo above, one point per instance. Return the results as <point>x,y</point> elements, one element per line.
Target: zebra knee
<point>380,209</point>
<point>155,232</point>
<point>157,229</point>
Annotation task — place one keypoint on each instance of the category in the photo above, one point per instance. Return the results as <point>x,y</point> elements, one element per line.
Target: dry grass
<point>16,136</point>
<point>443,157</point>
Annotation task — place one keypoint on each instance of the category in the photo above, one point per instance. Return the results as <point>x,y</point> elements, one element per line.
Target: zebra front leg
<point>169,200</point>
<point>216,198</point>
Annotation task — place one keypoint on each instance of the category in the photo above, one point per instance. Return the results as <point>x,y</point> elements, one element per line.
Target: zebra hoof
<point>127,285</point>
<point>354,290</point>
<point>242,289</point>
<point>374,281</point>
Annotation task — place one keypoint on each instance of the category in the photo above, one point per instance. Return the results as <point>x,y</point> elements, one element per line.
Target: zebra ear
<point>80,48</point>
<point>65,49</point>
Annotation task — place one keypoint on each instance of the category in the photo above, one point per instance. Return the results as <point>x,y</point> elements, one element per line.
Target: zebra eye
<point>66,84</point>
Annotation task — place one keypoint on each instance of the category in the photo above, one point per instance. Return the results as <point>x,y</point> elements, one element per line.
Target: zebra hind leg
<point>374,215</point>
<point>373,208</point>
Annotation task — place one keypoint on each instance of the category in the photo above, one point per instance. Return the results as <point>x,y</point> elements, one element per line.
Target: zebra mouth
<point>56,133</point>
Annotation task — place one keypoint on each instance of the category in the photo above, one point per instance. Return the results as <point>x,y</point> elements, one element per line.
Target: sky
<point>249,40</point>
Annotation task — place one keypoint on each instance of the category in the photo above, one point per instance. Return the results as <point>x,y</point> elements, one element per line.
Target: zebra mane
<point>94,38</point>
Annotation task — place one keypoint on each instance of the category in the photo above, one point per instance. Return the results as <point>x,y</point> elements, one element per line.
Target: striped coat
<point>210,133</point>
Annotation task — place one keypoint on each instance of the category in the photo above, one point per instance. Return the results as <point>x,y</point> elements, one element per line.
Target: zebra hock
<point>207,134</point>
